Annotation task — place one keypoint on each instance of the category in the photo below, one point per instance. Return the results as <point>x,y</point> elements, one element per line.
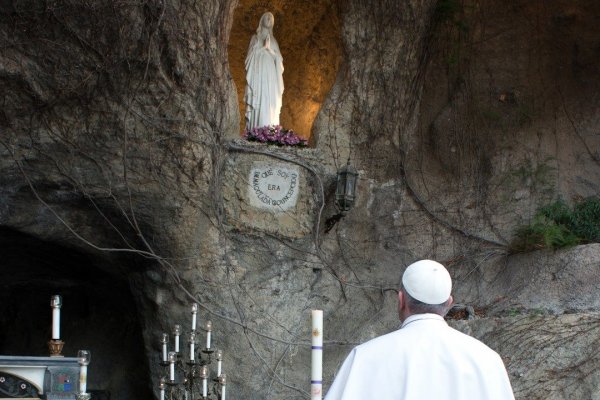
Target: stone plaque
<point>273,186</point>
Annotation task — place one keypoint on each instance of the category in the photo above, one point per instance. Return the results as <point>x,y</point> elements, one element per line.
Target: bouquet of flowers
<point>274,134</point>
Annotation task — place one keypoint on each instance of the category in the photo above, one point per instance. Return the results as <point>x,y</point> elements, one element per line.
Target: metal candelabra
<point>191,379</point>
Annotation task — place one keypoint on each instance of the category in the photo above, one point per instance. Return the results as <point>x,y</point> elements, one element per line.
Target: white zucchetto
<point>427,281</point>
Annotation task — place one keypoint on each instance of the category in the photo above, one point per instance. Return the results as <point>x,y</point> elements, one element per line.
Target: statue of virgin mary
<point>264,80</point>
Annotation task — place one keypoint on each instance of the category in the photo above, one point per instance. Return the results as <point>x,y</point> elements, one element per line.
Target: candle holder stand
<point>55,347</point>
<point>190,378</point>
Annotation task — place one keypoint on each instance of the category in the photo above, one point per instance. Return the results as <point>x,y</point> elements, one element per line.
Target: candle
<point>83,379</point>
<point>172,358</point>
<point>194,314</point>
<point>164,341</point>
<point>56,303</point>
<point>192,346</point>
<point>83,358</point>
<point>177,332</point>
<point>219,356</point>
<point>204,376</point>
<point>162,388</point>
<point>222,381</point>
<point>316,377</point>
<point>208,332</point>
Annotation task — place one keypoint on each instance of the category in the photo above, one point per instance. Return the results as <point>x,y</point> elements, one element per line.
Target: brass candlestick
<point>55,347</point>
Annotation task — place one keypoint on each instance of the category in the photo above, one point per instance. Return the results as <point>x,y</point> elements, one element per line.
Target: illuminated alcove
<point>308,33</point>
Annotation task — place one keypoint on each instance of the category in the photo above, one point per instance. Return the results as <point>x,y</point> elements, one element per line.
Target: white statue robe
<point>424,360</point>
<point>264,82</point>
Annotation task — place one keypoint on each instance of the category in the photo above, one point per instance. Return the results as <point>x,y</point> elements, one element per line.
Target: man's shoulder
<point>470,343</point>
<point>382,341</point>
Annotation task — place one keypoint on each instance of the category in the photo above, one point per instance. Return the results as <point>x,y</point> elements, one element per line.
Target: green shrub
<point>586,220</point>
<point>557,226</point>
<point>542,233</point>
<point>559,212</point>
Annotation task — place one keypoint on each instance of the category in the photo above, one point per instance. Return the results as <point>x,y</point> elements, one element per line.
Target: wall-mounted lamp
<point>345,191</point>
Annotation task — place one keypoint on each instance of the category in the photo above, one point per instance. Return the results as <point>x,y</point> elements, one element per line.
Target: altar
<point>50,378</point>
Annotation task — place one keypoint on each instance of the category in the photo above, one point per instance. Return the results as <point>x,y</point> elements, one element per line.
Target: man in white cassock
<point>264,76</point>
<point>425,359</point>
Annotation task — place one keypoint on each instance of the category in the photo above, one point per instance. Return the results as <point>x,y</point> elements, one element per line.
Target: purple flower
<point>274,134</point>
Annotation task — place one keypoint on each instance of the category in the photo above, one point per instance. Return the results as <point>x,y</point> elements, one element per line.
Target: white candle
<point>222,381</point>
<point>219,356</point>
<point>194,314</point>
<point>204,376</point>
<point>162,388</point>
<point>316,377</point>
<point>83,359</point>
<point>56,303</point>
<point>177,332</point>
<point>55,323</point>
<point>164,341</point>
<point>192,346</point>
<point>83,379</point>
<point>172,357</point>
<point>208,332</point>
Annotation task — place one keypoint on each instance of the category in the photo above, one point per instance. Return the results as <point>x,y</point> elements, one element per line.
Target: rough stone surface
<point>120,140</point>
<point>553,282</point>
<point>543,354</point>
<point>265,194</point>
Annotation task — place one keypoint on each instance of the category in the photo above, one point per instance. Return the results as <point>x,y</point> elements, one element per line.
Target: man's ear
<point>402,303</point>
<point>450,303</point>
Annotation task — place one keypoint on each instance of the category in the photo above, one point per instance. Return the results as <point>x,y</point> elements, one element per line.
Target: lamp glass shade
<point>204,372</point>
<point>84,357</point>
<point>345,192</point>
<point>56,301</point>
<point>177,330</point>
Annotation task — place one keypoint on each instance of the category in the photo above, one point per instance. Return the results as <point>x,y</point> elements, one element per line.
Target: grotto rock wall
<point>122,138</point>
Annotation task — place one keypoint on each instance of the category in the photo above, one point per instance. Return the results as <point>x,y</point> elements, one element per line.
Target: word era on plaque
<point>273,186</point>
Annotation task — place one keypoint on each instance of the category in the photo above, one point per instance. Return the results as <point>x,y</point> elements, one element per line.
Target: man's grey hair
<point>418,307</point>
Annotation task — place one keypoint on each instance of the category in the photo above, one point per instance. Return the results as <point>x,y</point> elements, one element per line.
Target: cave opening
<point>98,312</point>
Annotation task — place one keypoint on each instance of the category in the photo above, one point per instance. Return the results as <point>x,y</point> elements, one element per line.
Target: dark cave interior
<point>98,312</point>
